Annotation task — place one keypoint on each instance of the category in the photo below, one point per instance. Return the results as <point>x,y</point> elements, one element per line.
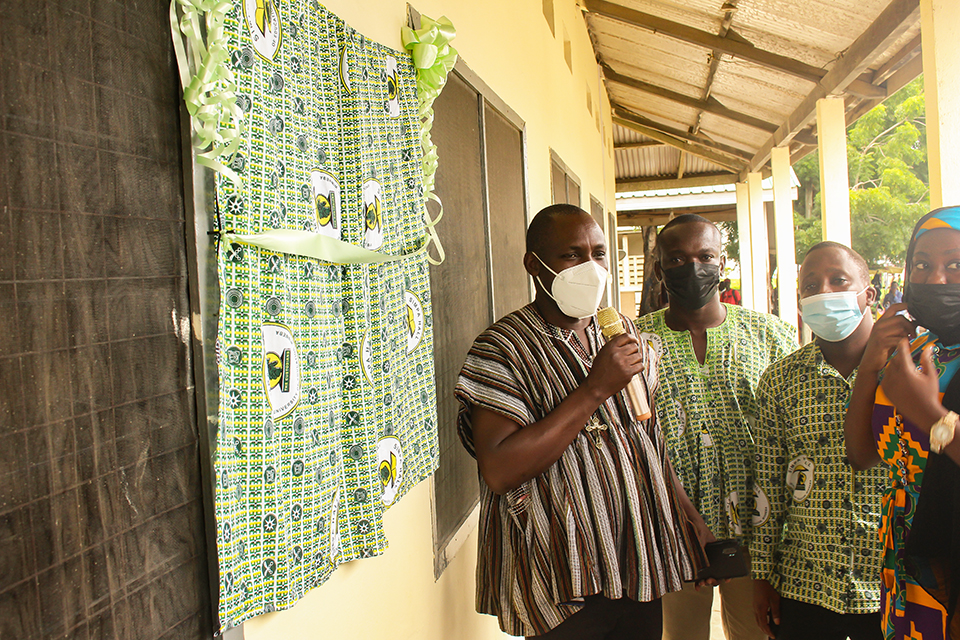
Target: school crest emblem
<point>263,22</point>
<point>281,370</point>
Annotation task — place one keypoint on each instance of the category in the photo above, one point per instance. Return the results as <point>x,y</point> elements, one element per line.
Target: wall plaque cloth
<point>327,396</point>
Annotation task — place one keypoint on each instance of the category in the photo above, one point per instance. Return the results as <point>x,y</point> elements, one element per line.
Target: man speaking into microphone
<point>583,524</point>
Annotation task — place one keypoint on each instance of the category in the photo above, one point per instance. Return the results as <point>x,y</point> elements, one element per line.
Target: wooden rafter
<point>638,145</point>
<point>710,105</point>
<point>653,184</point>
<point>656,218</point>
<point>731,44</point>
<point>703,152</point>
<point>898,80</point>
<point>678,138</point>
<point>891,23</point>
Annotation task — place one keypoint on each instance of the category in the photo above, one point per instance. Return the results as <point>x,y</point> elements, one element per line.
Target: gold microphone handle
<point>612,326</point>
<point>638,399</point>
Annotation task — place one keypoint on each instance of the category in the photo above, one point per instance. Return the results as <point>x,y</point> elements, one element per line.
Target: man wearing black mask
<point>711,356</point>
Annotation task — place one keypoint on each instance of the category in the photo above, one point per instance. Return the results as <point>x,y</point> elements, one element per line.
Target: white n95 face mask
<point>577,290</point>
<point>832,316</point>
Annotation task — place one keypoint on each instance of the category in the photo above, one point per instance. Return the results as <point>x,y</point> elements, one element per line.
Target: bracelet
<point>942,431</point>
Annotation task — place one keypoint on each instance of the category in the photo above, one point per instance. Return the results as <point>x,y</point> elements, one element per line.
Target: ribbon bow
<point>434,58</point>
<point>209,90</point>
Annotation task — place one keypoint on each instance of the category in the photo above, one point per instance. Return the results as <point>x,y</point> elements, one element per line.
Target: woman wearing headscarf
<point>903,413</point>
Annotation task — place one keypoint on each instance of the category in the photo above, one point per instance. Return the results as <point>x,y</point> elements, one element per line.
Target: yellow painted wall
<point>508,43</point>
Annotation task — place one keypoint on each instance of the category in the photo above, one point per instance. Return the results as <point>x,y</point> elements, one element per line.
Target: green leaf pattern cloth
<point>327,396</point>
<point>707,411</point>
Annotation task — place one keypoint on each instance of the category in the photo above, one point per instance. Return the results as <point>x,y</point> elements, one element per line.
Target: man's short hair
<point>862,266</point>
<point>542,222</point>
<point>682,219</point>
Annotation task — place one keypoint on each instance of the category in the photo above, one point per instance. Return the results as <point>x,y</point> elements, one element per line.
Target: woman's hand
<point>914,392</point>
<point>886,335</point>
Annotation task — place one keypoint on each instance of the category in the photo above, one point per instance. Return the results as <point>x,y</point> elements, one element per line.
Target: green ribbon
<point>434,58</point>
<point>209,89</point>
<point>209,92</point>
<point>316,245</point>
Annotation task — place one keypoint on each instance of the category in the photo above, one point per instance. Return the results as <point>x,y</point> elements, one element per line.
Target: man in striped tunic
<point>583,524</point>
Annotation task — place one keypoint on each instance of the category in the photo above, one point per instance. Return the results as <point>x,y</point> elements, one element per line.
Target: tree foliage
<point>887,164</point>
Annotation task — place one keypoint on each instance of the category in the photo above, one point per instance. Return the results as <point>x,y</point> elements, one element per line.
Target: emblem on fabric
<point>800,477</point>
<point>281,370</point>
<point>414,320</point>
<point>372,215</point>
<point>761,508</point>
<point>263,21</point>
<point>733,512</point>
<point>326,201</point>
<point>366,356</point>
<point>393,88</point>
<point>390,464</point>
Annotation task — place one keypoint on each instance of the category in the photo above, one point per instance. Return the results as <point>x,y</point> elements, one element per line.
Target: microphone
<point>611,326</point>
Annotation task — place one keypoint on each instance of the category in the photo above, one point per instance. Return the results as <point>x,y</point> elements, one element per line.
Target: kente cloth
<point>909,608</point>
<point>706,411</point>
<point>815,519</point>
<point>327,398</point>
<point>603,519</point>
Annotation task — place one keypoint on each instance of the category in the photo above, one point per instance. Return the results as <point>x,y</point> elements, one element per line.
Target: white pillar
<point>624,264</point>
<point>783,229</point>
<point>834,180</point>
<point>940,23</point>
<point>743,232</point>
<point>759,244</point>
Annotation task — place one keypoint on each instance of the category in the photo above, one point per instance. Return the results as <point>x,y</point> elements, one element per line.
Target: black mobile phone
<point>726,558</point>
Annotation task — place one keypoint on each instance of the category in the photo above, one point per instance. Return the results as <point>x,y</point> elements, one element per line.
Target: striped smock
<point>603,519</point>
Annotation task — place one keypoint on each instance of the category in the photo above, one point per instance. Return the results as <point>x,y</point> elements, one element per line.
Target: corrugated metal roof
<point>716,78</point>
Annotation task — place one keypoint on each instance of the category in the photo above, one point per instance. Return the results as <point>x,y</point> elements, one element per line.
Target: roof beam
<point>914,47</point>
<point>655,184</point>
<point>705,153</point>
<point>891,23</point>
<point>733,44</point>
<point>638,145</point>
<point>648,219</point>
<point>678,138</point>
<point>710,105</point>
<point>900,78</point>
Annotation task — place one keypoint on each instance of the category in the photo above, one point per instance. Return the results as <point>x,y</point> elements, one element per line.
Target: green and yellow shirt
<point>815,526</point>
<point>706,411</point>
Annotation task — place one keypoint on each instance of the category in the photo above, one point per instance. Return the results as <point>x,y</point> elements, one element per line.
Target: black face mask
<point>936,307</point>
<point>692,285</point>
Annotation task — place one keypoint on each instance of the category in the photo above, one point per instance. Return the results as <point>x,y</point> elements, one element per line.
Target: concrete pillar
<point>783,228</point>
<point>940,23</point>
<point>759,244</point>
<point>834,179</point>
<point>743,232</point>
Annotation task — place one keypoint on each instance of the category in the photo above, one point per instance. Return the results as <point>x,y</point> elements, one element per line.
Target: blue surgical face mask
<point>832,316</point>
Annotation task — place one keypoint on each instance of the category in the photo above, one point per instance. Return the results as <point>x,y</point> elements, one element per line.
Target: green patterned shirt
<point>705,410</point>
<point>815,527</point>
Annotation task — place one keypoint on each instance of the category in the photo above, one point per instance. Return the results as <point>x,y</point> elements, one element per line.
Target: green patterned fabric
<point>705,410</point>
<point>815,526</point>
<point>327,397</point>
